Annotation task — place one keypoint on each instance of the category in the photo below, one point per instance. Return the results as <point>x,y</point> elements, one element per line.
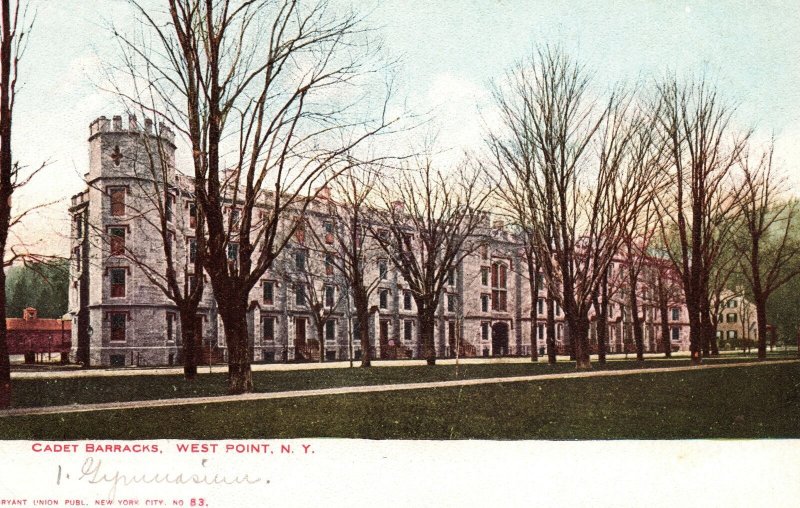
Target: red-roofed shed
<point>31,335</point>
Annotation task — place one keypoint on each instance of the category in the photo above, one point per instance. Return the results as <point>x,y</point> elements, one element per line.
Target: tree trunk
<point>362,316</point>
<point>663,308</point>
<point>191,348</point>
<point>234,320</point>
<point>551,332</point>
<point>533,285</point>
<point>638,334</point>
<point>5,364</point>
<point>602,320</point>
<point>761,321</point>
<point>534,341</point>
<point>321,339</point>
<point>579,336</point>
<point>705,326</point>
<point>695,339</point>
<point>6,189</point>
<point>427,325</point>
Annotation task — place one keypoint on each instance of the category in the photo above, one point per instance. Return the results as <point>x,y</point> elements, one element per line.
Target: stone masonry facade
<point>122,318</point>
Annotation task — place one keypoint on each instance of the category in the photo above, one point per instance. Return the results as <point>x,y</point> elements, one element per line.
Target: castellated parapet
<point>103,124</point>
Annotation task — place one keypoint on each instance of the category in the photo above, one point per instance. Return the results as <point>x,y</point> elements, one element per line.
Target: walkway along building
<point>121,318</point>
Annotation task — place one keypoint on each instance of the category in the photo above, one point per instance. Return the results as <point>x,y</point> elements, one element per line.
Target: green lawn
<point>65,391</point>
<point>748,402</point>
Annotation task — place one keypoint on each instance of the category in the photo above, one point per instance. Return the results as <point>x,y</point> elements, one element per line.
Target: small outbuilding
<point>34,337</point>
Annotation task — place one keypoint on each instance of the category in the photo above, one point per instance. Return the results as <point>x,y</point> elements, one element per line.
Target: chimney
<point>132,124</point>
<point>398,206</point>
<point>117,123</point>
<point>498,224</point>
<point>148,126</point>
<point>29,314</point>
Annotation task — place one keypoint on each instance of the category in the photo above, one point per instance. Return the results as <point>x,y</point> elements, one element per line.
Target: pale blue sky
<point>450,52</point>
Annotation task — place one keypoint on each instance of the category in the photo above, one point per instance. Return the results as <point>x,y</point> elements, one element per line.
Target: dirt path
<point>362,389</point>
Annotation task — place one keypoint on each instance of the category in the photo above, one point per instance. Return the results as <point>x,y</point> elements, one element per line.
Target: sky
<point>450,51</point>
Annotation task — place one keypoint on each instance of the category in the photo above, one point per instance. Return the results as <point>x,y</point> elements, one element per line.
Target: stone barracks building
<point>122,318</point>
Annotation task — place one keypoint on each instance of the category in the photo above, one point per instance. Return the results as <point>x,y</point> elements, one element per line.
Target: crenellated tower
<point>117,242</point>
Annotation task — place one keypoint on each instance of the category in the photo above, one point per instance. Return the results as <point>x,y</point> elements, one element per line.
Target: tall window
<point>540,281</point>
<point>118,322</point>
<point>118,276</point>
<point>192,215</point>
<point>383,298</point>
<point>268,289</point>
<point>408,331</point>
<point>300,260</point>
<point>676,313</point>
<point>170,240</point>
<point>79,226</point>
<point>731,318</point>
<point>484,331</point>
<point>233,252</point>
<point>327,226</point>
<point>499,288</point>
<point>77,256</point>
<point>484,276</point>
<point>451,303</point>
<point>169,203</point>
<point>676,334</point>
<point>192,250</point>
<point>330,293</point>
<point>451,277</point>
<point>300,232</point>
<point>300,294</point>
<point>330,330</point>
<point>383,268</point>
<point>328,264</point>
<point>540,306</point>
<point>117,201</point>
<point>732,303</point>
<point>170,326</point>
<point>268,328</point>
<point>732,334</point>
<point>117,240</point>
<point>484,303</point>
<point>384,330</point>
<point>407,300</point>
<point>235,216</point>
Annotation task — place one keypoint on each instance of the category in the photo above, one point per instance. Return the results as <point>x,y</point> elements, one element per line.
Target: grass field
<point>747,402</point>
<point>87,390</point>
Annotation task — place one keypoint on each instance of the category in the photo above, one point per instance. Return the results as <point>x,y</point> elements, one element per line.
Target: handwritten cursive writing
<point>93,472</point>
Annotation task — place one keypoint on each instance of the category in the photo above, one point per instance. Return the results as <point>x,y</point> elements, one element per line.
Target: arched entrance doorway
<point>500,338</point>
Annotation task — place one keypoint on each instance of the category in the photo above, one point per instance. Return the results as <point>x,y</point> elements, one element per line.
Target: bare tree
<point>638,233</point>
<point>271,96</point>
<point>769,251</point>
<point>157,195</point>
<point>721,284</point>
<point>308,265</point>
<point>581,175</point>
<point>427,226</point>
<point>700,147</point>
<point>353,251</point>
<point>509,168</point>
<point>12,45</point>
